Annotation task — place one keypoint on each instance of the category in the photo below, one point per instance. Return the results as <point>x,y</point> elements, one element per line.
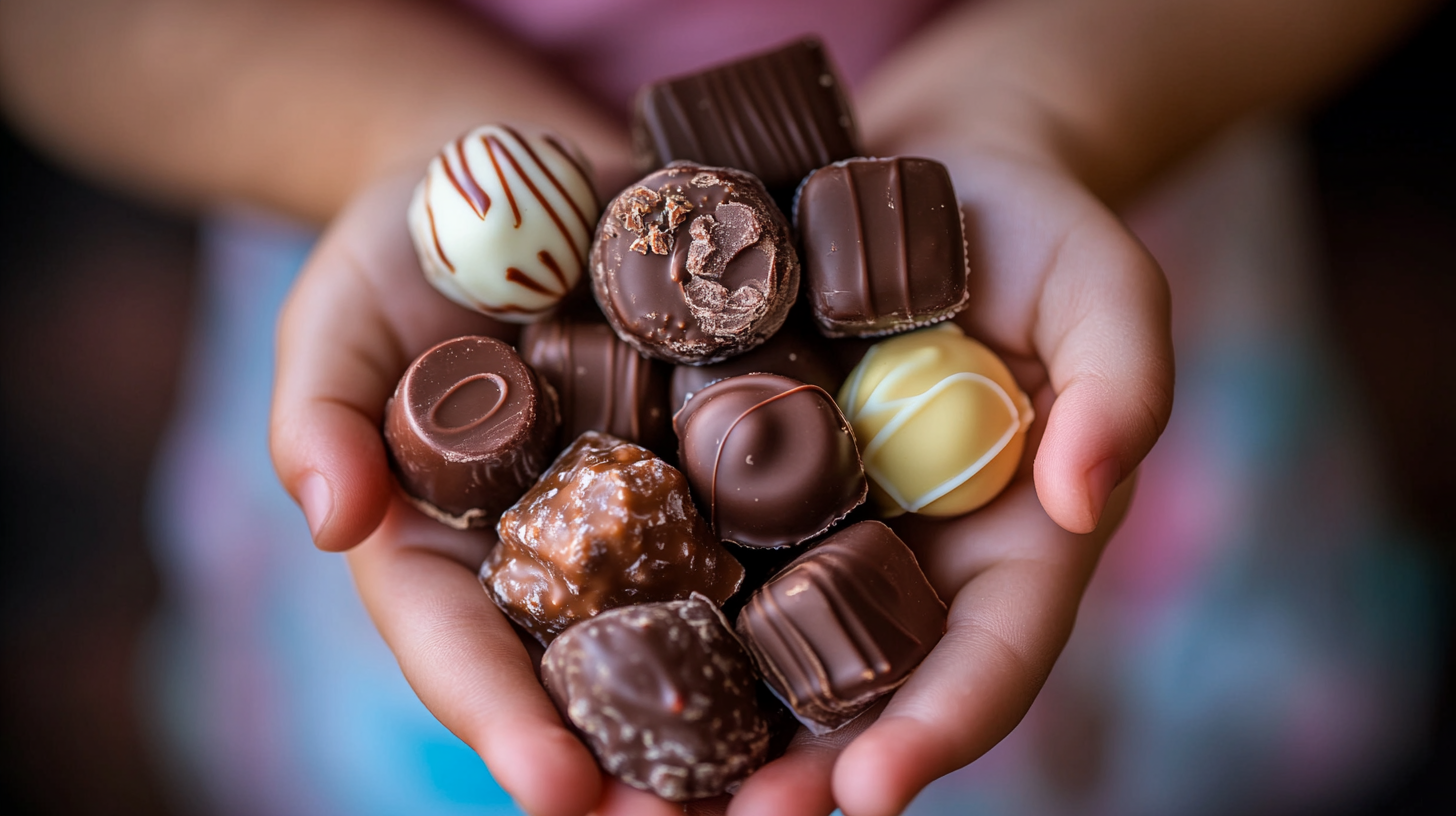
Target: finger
<point>1105,337</point>
<point>799,781</point>
<point>466,663</point>
<point>621,799</point>
<point>1023,577</point>
<point>359,313</point>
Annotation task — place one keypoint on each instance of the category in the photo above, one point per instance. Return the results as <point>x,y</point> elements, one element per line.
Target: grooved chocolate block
<point>844,624</point>
<point>664,696</point>
<point>884,248</point>
<point>778,115</point>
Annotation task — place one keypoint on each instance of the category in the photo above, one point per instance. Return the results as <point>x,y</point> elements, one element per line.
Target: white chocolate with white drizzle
<point>940,421</point>
<point>503,220</point>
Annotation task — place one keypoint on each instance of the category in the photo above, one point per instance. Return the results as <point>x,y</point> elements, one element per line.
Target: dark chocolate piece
<point>469,428</point>
<point>694,264</point>
<point>664,695</point>
<point>844,624</point>
<point>610,524</point>
<point>603,384</point>
<point>789,353</point>
<point>777,114</point>
<point>772,459</point>
<point>884,247</point>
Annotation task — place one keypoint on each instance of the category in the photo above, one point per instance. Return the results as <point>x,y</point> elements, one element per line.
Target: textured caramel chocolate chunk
<point>772,460</point>
<point>609,524</point>
<point>664,695</point>
<point>693,264</point>
<point>468,429</point>
<point>883,245</point>
<point>844,624</point>
<point>778,115</point>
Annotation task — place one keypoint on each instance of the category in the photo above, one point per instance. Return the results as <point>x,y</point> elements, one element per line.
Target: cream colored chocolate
<point>503,220</point>
<point>940,422</point>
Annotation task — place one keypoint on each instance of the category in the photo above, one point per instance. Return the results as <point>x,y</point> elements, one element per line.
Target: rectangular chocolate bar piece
<point>777,115</point>
<point>883,246</point>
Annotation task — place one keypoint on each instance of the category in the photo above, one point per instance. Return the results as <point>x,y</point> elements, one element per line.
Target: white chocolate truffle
<point>940,422</point>
<point>503,220</point>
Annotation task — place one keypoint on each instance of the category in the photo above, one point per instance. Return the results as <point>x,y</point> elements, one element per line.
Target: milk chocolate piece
<point>844,624</point>
<point>884,247</point>
<point>693,264</point>
<point>468,429</point>
<point>777,114</point>
<point>772,459</point>
<point>664,695</point>
<point>789,353</point>
<point>610,524</point>
<point>603,383</point>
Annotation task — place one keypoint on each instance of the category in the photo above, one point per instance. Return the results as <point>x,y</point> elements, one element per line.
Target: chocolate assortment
<point>503,220</point>
<point>622,564</point>
<point>610,524</point>
<point>693,264</point>
<point>842,625</point>
<point>884,248</point>
<point>468,429</point>
<point>603,384</point>
<point>772,460</point>
<point>664,695</point>
<point>778,115</point>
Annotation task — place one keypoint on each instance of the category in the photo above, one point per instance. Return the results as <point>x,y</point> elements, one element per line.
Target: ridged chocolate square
<point>883,246</point>
<point>842,625</point>
<point>777,115</point>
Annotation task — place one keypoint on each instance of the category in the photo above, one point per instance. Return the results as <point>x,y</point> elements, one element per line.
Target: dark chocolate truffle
<point>844,624</point>
<point>772,460</point>
<point>664,695</point>
<point>602,383</point>
<point>469,428</point>
<point>610,524</point>
<point>789,353</point>
<point>693,264</point>
<point>884,247</point>
<point>777,114</point>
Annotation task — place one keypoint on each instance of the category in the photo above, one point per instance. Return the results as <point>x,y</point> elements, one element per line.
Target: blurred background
<point>99,296</point>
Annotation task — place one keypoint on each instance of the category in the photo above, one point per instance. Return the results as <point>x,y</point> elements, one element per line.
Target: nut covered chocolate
<point>610,524</point>
<point>883,245</point>
<point>602,383</point>
<point>693,264</point>
<point>772,459</point>
<point>664,695</point>
<point>778,115</point>
<point>468,429</point>
<point>844,624</point>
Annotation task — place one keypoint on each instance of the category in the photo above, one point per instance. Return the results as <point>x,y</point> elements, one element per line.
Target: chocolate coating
<point>664,695</point>
<point>788,353</point>
<point>773,459</point>
<point>693,264</point>
<point>610,524</point>
<point>468,429</point>
<point>777,114</point>
<point>603,384</point>
<point>884,247</point>
<point>845,623</point>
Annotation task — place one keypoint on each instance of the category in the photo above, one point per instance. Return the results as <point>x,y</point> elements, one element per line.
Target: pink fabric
<point>612,47</point>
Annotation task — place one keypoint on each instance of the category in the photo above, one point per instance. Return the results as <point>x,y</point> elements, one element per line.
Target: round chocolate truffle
<point>603,384</point>
<point>940,421</point>
<point>469,428</point>
<point>664,695</point>
<point>693,264</point>
<point>503,220</point>
<point>773,459</point>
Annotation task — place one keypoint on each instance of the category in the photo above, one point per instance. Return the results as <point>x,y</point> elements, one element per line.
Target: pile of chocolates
<point>690,443</point>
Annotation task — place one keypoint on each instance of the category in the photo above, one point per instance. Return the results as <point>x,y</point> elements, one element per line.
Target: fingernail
<point>316,500</point>
<point>1101,479</point>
